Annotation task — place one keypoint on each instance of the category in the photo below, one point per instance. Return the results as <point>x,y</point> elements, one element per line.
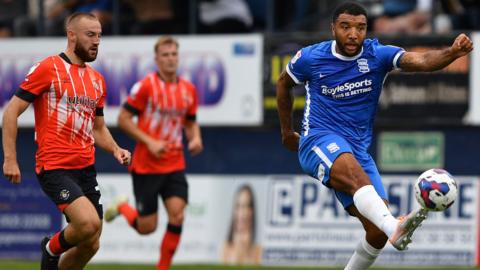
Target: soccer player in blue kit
<point>343,79</point>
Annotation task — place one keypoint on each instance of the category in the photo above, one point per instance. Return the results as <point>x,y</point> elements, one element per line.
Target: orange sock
<point>57,244</point>
<point>129,213</point>
<point>169,246</point>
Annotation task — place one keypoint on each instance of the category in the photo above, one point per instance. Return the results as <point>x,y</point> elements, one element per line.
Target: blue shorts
<point>317,154</point>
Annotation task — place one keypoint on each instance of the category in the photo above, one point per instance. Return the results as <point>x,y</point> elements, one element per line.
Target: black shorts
<point>64,186</point>
<point>147,188</point>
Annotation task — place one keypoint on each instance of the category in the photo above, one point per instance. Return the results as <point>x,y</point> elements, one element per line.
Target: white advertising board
<point>205,230</point>
<point>473,115</point>
<point>298,222</point>
<point>225,69</point>
<point>307,225</point>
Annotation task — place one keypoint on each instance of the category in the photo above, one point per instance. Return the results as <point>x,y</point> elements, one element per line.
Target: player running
<point>343,79</point>
<point>68,97</point>
<point>165,105</point>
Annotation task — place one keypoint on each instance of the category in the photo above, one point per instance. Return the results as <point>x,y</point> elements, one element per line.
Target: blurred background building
<point>144,17</point>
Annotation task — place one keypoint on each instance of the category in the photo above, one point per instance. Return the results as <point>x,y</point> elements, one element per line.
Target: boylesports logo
<point>347,89</point>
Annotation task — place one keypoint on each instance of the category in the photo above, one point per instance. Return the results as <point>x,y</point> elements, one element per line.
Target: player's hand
<point>123,156</point>
<point>195,146</point>
<point>462,45</point>
<point>157,147</point>
<point>290,139</point>
<point>12,171</point>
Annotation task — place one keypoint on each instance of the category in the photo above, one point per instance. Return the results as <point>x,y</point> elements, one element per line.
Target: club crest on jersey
<point>96,86</point>
<point>31,70</point>
<point>64,194</point>
<point>333,147</point>
<point>296,57</point>
<point>363,65</point>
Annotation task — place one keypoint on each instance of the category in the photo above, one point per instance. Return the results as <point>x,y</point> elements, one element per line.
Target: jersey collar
<point>65,58</point>
<point>343,57</point>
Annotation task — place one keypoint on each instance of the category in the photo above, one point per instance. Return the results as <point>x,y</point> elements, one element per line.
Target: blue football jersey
<point>342,92</point>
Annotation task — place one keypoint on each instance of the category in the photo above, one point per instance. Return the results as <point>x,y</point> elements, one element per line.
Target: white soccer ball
<point>435,190</point>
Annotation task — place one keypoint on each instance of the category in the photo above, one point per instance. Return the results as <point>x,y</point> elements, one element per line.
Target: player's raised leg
<point>145,223</point>
<point>348,176</point>
<point>113,209</point>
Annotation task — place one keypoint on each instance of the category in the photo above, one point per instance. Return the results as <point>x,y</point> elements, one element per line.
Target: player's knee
<point>146,228</point>
<point>349,182</point>
<point>176,218</point>
<point>89,228</point>
<point>347,175</point>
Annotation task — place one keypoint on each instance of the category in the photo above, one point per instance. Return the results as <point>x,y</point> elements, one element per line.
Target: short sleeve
<point>390,56</point>
<point>137,100</point>
<point>299,66</point>
<point>37,81</point>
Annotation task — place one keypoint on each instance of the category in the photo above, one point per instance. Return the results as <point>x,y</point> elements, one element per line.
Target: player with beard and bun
<point>343,79</point>
<point>68,97</point>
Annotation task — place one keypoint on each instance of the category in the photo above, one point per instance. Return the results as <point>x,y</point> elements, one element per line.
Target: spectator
<point>27,25</point>
<point>224,16</point>
<point>464,14</point>
<point>153,17</point>
<point>10,9</point>
<point>404,16</point>
<point>102,9</point>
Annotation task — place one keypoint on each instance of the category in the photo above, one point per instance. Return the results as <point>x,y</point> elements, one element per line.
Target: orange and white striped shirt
<point>162,110</point>
<point>66,98</point>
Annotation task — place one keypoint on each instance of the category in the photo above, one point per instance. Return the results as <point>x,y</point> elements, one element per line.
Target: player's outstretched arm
<point>104,139</point>
<point>290,138</point>
<point>436,59</point>
<point>14,108</point>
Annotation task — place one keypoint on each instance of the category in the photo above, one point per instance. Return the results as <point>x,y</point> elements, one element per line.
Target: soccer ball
<point>435,190</point>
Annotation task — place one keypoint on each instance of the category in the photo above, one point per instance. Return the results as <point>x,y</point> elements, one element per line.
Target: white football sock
<point>371,206</point>
<point>363,257</point>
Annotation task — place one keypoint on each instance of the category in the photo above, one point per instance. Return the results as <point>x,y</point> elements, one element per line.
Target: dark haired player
<point>343,79</point>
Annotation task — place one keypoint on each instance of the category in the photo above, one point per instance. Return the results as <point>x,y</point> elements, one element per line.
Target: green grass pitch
<point>14,265</point>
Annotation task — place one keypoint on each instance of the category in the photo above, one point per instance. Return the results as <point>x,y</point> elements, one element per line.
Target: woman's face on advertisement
<point>243,211</point>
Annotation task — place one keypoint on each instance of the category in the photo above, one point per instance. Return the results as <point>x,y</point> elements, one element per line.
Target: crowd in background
<point>20,18</point>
